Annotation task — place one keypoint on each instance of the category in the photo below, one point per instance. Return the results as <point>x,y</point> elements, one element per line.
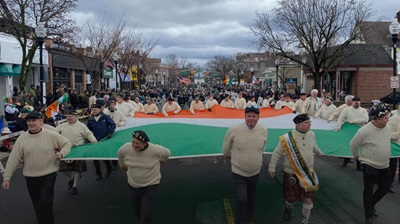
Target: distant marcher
<point>171,106</point>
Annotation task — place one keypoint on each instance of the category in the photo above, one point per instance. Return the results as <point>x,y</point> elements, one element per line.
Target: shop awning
<point>17,70</point>
<point>6,70</point>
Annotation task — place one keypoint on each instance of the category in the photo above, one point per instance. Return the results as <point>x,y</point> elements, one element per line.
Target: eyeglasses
<point>252,106</point>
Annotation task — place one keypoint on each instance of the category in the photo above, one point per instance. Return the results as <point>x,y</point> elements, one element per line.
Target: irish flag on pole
<point>53,109</point>
<point>202,134</point>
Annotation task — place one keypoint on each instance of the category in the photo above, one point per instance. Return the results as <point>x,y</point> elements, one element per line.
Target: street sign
<point>394,82</point>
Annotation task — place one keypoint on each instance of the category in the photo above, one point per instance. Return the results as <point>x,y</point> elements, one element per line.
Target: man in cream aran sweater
<point>307,146</point>
<point>196,104</point>
<point>150,107</point>
<point>326,110</point>
<point>116,115</point>
<point>240,102</point>
<point>245,144</point>
<point>312,104</point>
<point>40,150</point>
<point>353,115</point>
<point>141,160</point>
<point>227,103</point>
<point>171,106</point>
<point>77,133</point>
<point>371,146</point>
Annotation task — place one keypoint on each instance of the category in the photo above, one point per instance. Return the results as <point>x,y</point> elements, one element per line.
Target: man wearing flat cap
<point>141,160</point>
<point>40,151</point>
<point>170,106</point>
<point>298,146</point>
<point>244,144</point>
<point>102,127</point>
<point>77,133</point>
<point>371,146</point>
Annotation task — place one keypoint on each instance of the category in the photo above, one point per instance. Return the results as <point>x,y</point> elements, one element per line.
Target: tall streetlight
<point>164,73</point>
<point>156,77</point>
<point>277,73</point>
<point>251,74</point>
<point>394,29</point>
<point>40,32</point>
<point>115,58</point>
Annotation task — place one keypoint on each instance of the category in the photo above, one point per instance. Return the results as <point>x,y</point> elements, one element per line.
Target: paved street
<point>199,190</point>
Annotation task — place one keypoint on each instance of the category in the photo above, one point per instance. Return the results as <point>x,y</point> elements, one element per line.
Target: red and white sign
<point>394,82</point>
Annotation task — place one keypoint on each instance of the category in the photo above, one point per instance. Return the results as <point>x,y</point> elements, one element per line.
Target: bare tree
<point>21,16</point>
<point>134,51</point>
<point>221,64</point>
<point>103,37</point>
<point>316,25</point>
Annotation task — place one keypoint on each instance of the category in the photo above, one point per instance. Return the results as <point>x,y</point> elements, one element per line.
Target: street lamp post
<point>40,32</point>
<point>394,29</point>
<point>115,58</point>
<point>277,73</point>
<point>156,77</point>
<point>251,74</point>
<point>164,73</point>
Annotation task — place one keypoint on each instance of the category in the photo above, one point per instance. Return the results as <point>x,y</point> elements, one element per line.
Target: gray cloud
<point>196,29</point>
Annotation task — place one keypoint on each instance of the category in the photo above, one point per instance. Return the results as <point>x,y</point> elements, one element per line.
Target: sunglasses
<point>252,106</point>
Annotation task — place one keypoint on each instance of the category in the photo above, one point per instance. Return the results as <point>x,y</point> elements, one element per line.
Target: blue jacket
<point>102,128</point>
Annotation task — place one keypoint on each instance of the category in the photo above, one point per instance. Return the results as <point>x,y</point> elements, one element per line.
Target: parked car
<point>389,98</point>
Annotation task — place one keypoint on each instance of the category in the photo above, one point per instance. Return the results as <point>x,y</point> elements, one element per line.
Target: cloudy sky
<point>195,29</point>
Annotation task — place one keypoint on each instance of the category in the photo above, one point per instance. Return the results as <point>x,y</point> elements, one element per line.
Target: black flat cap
<point>140,135</point>
<point>34,115</point>
<point>300,118</point>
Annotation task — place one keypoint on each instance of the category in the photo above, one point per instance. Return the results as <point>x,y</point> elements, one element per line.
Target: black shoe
<point>99,177</point>
<point>359,169</point>
<point>70,183</point>
<point>286,214</point>
<point>74,191</point>
<point>108,173</point>
<point>344,164</point>
<point>392,190</point>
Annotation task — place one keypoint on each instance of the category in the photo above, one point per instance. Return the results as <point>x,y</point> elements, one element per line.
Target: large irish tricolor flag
<point>202,134</point>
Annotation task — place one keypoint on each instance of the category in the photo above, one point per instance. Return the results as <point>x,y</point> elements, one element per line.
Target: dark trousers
<point>97,166</point>
<point>143,199</point>
<point>41,190</point>
<point>372,176</point>
<point>393,167</point>
<point>245,188</point>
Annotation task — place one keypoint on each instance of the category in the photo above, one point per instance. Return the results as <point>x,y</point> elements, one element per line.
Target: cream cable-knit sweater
<point>394,124</point>
<point>211,103</point>
<point>245,147</point>
<point>337,112</point>
<point>144,166</point>
<point>358,116</point>
<point>325,111</point>
<point>307,146</point>
<point>227,104</point>
<point>171,107</point>
<point>375,146</point>
<point>117,117</point>
<point>77,133</point>
<point>240,103</point>
<point>37,151</point>
<point>196,106</point>
<point>152,108</point>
